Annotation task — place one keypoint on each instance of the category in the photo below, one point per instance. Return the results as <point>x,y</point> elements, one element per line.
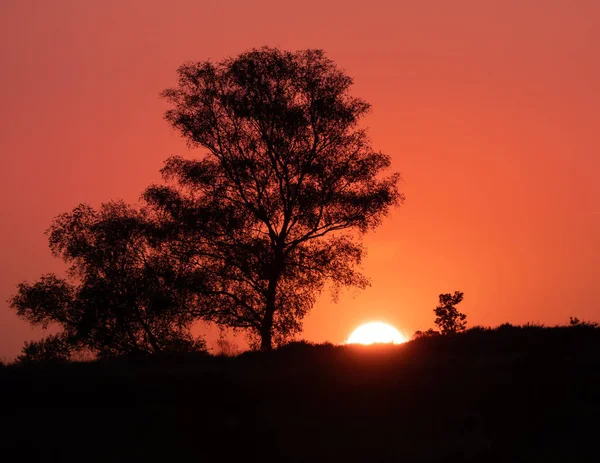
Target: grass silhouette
<point>512,393</point>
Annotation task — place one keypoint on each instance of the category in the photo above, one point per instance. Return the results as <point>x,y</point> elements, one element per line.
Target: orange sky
<point>488,108</point>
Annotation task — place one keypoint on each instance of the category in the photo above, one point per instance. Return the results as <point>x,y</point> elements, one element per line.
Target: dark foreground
<point>511,394</point>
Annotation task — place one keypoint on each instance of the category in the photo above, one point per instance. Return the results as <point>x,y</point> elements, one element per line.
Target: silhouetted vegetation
<point>448,318</point>
<point>426,333</point>
<point>513,393</point>
<point>288,182</point>
<point>123,295</point>
<point>226,347</point>
<point>574,321</point>
<point>246,237</point>
<point>52,348</point>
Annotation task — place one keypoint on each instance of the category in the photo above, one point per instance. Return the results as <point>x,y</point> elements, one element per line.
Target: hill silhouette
<point>511,393</point>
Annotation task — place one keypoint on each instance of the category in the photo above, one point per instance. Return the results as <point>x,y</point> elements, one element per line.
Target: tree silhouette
<point>448,318</point>
<point>277,205</point>
<point>122,295</point>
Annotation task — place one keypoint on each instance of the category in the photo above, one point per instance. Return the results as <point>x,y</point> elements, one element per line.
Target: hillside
<point>508,394</point>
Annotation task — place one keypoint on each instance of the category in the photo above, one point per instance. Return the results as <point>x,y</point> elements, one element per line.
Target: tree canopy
<point>247,235</point>
<point>287,185</point>
<point>121,295</point>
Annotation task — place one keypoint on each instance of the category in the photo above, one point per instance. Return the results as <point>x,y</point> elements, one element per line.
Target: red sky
<point>488,108</point>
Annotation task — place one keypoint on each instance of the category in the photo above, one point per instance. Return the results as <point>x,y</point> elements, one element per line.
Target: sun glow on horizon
<point>375,333</point>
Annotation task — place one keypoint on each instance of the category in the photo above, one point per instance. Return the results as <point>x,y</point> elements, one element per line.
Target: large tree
<point>288,183</point>
<point>122,294</point>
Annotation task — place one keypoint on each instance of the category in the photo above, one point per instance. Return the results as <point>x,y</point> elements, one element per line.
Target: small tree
<point>121,296</point>
<point>448,318</point>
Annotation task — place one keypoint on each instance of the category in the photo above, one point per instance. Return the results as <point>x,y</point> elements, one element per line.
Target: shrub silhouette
<point>226,348</point>
<point>51,349</point>
<point>424,334</point>
<point>575,322</point>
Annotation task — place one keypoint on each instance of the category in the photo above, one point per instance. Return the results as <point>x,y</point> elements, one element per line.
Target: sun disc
<point>376,332</point>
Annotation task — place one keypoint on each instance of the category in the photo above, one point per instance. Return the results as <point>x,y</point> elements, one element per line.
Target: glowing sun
<point>376,332</point>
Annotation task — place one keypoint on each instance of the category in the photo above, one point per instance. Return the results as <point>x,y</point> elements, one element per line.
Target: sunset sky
<point>489,109</point>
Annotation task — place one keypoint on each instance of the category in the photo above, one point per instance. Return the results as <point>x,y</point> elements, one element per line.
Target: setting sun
<point>376,332</point>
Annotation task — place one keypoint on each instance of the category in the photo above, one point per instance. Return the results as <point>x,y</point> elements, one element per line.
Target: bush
<point>53,348</point>
<point>575,322</point>
<point>425,334</point>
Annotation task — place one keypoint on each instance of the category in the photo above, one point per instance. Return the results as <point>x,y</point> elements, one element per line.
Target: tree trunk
<point>266,329</point>
<point>266,341</point>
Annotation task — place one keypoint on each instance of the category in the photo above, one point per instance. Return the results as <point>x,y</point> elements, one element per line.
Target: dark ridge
<point>507,394</point>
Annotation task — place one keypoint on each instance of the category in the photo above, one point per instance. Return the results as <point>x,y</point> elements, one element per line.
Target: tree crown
<point>287,184</point>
